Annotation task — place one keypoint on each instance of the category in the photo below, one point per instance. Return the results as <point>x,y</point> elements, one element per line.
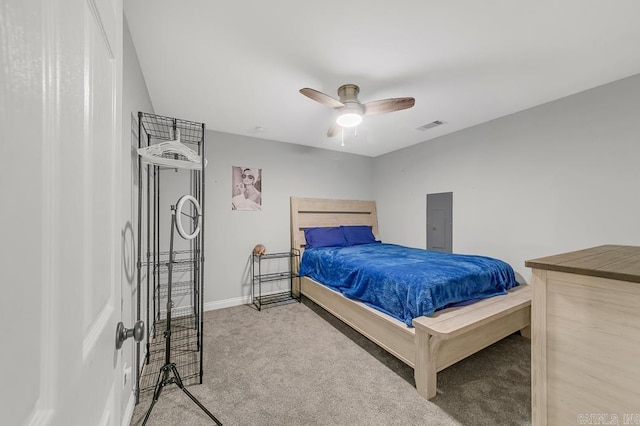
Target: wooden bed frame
<point>435,342</point>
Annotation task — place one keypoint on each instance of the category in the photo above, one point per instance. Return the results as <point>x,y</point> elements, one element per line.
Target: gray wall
<point>287,170</point>
<point>135,97</point>
<point>558,177</point>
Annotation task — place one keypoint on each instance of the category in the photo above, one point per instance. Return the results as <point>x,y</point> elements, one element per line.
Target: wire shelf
<point>159,127</point>
<point>184,353</point>
<point>178,266</point>
<point>180,288</point>
<point>278,255</point>
<point>276,276</point>
<point>277,298</point>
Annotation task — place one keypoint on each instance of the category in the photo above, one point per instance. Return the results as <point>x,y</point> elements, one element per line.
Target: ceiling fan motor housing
<point>348,93</point>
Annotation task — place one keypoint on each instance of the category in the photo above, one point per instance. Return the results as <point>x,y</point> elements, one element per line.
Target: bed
<point>434,342</point>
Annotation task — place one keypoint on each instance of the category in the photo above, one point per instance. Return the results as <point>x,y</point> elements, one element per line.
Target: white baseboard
<point>236,301</point>
<point>208,306</point>
<point>227,303</point>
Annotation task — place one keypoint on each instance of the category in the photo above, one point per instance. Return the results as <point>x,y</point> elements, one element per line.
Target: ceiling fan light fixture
<point>349,119</point>
<point>351,110</point>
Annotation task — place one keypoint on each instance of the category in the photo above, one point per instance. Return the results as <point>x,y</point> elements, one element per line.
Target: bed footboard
<point>453,334</point>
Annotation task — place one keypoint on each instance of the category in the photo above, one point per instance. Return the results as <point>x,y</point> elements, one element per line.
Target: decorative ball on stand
<point>259,250</point>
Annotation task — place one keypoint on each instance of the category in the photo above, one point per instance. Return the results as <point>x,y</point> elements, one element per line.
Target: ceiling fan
<point>351,110</point>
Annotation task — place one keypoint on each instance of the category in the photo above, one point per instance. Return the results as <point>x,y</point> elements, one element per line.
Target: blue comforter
<point>405,282</point>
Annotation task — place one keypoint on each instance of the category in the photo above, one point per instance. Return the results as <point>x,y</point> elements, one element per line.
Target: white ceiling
<point>238,65</point>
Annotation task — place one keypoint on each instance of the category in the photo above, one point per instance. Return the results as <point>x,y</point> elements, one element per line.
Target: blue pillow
<point>360,234</point>
<point>324,237</point>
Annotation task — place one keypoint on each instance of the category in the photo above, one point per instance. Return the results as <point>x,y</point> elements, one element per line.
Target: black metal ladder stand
<point>164,375</point>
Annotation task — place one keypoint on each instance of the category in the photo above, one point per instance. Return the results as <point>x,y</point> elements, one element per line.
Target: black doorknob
<point>122,334</point>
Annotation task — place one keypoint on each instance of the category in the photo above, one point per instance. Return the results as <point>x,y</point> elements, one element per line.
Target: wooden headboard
<point>321,212</point>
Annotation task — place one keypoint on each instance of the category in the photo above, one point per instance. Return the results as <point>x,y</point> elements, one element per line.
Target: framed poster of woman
<point>246,191</point>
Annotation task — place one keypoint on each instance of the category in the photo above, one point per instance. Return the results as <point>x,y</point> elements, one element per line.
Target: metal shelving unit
<point>258,278</point>
<point>187,296</point>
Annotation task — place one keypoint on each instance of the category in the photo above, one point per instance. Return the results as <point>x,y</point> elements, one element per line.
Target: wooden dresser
<point>585,347</point>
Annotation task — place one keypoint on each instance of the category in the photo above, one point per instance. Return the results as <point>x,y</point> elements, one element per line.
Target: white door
<point>60,101</point>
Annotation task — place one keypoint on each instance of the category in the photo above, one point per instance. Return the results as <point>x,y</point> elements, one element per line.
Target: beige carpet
<point>297,365</point>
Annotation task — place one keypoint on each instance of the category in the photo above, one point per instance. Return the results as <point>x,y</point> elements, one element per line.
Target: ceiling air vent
<point>431,125</point>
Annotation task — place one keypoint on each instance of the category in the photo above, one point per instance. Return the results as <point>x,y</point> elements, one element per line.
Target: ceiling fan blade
<point>321,97</point>
<point>333,130</point>
<point>388,105</point>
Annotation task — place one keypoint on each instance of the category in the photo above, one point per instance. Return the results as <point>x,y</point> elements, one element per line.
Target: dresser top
<point>608,261</point>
